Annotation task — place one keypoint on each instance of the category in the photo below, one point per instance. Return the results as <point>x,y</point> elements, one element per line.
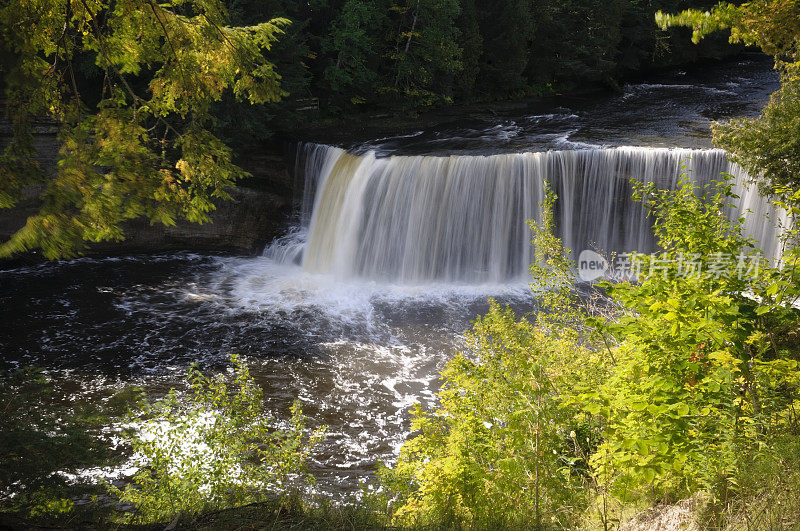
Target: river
<point>395,249</point>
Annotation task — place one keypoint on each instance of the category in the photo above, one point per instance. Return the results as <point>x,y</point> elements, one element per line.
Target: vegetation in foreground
<point>215,452</point>
<point>683,384</point>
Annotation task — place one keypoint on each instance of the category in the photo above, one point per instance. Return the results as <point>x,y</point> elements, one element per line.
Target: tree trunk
<point>408,42</point>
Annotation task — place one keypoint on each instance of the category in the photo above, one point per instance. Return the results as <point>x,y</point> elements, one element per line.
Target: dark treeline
<point>410,54</point>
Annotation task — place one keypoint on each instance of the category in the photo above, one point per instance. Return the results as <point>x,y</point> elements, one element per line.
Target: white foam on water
<point>266,287</point>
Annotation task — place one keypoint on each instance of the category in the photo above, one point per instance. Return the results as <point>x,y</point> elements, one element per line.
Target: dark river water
<point>357,353</point>
<point>671,109</point>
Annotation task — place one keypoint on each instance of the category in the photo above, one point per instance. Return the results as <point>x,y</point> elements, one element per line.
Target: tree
<point>471,43</point>
<point>353,45</point>
<point>767,146</point>
<point>593,35</point>
<point>507,29</point>
<point>138,144</point>
<point>245,125</point>
<point>423,51</point>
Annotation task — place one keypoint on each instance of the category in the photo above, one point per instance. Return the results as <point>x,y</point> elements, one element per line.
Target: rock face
<point>258,212</point>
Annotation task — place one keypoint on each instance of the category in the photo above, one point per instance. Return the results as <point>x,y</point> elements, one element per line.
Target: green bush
<point>674,384</point>
<point>507,445</point>
<point>500,449</point>
<point>218,451</point>
<point>698,389</point>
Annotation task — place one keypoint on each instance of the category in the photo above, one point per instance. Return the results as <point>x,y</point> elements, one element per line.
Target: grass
<point>289,514</point>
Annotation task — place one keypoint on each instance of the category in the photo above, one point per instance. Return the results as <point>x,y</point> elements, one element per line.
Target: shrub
<point>698,390</point>
<point>507,444</point>
<point>677,383</point>
<point>217,451</point>
<point>500,448</point>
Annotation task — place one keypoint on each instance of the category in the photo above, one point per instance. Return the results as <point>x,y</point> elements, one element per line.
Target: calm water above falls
<point>394,253</point>
<point>672,109</point>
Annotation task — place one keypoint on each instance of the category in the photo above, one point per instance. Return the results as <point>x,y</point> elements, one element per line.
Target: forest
<point>410,55</point>
<point>376,57</point>
<point>327,381</point>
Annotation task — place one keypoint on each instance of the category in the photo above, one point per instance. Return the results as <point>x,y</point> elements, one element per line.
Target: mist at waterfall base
<point>356,309</point>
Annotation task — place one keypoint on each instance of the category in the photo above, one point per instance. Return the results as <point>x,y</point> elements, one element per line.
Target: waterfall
<point>462,218</point>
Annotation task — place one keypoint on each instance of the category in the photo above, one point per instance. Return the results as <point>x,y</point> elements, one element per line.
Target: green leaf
<point>642,447</point>
<point>593,409</point>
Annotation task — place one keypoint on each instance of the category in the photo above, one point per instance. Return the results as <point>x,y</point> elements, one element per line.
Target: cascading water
<point>462,218</point>
<point>357,309</point>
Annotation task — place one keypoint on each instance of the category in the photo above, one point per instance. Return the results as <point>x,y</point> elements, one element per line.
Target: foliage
<point>218,452</point>
<point>296,512</point>
<point>767,145</point>
<point>353,40</point>
<point>471,44</point>
<point>670,404</point>
<point>400,53</point>
<point>500,449</point>
<point>699,390</point>
<point>246,125</point>
<point>425,50</point>
<point>137,143</point>
<point>591,33</point>
<point>553,271</point>
<point>770,492</point>
<point>46,440</point>
<point>674,384</point>
<point>506,30</point>
<point>389,50</point>
<point>771,25</point>
<point>507,444</point>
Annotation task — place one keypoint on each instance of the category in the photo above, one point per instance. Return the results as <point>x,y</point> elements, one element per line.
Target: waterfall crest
<point>462,218</point>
